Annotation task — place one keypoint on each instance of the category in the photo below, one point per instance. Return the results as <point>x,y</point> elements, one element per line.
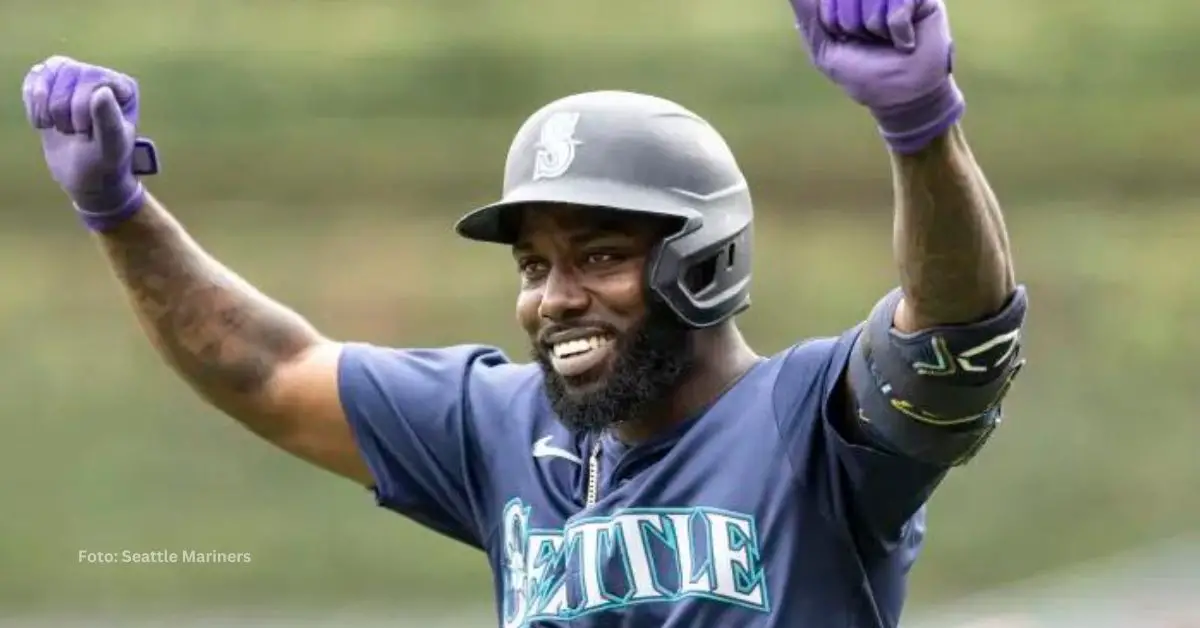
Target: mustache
<point>553,330</point>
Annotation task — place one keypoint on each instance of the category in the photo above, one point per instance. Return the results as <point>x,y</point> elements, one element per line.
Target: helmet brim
<point>499,222</point>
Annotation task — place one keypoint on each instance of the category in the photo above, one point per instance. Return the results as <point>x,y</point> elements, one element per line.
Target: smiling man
<point>648,468</point>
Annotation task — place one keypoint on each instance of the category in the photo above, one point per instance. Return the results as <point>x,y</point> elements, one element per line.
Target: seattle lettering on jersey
<point>631,557</point>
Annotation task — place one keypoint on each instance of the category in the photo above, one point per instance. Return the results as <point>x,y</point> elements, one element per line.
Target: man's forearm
<point>950,241</point>
<point>219,333</point>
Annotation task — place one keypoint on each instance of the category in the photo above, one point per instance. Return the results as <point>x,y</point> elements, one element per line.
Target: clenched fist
<point>87,117</point>
<point>892,56</point>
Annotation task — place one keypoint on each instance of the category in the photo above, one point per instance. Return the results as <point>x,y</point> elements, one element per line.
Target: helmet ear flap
<point>703,281</point>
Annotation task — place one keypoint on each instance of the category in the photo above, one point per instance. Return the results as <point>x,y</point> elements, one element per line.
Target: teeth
<point>578,346</point>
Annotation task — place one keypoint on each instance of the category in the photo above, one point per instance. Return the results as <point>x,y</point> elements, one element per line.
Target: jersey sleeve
<point>876,494</point>
<point>413,414</point>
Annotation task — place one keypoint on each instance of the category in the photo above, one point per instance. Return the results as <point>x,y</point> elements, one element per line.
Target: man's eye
<point>602,258</point>
<point>531,268</point>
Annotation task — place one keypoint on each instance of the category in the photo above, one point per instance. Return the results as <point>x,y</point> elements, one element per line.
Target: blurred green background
<point>323,150</point>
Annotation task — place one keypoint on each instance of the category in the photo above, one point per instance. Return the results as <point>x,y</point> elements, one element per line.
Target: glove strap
<point>910,127</point>
<point>106,220</point>
<point>133,194</point>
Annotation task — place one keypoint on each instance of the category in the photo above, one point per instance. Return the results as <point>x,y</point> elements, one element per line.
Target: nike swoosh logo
<point>543,449</point>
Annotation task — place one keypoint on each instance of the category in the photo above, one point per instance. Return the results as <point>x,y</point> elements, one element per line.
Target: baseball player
<point>647,467</point>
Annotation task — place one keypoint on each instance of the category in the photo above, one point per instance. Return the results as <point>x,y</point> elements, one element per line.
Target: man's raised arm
<point>936,357</point>
<point>247,355</point>
<point>917,388</point>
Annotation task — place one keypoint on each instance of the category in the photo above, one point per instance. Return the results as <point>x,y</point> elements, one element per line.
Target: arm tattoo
<point>950,240</point>
<point>219,333</point>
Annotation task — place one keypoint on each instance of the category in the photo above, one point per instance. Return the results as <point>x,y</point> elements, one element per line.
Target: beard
<point>650,361</point>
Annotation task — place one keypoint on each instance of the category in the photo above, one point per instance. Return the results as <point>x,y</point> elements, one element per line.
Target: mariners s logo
<point>556,146</point>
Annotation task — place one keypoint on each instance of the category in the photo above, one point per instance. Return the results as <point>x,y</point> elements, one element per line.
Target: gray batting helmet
<point>638,154</point>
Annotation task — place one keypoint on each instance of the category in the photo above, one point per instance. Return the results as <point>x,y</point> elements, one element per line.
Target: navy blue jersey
<point>756,513</point>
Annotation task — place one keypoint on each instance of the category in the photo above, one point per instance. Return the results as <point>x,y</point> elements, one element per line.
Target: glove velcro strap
<point>910,127</point>
<point>103,221</point>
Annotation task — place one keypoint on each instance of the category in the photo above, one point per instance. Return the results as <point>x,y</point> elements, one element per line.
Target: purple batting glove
<point>87,117</point>
<point>893,57</point>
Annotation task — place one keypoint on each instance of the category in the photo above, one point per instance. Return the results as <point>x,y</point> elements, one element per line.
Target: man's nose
<point>563,296</point>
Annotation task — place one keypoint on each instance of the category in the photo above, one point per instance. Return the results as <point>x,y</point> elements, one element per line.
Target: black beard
<point>650,362</point>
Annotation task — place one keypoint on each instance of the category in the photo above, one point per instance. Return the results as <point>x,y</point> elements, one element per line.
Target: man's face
<point>607,355</point>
